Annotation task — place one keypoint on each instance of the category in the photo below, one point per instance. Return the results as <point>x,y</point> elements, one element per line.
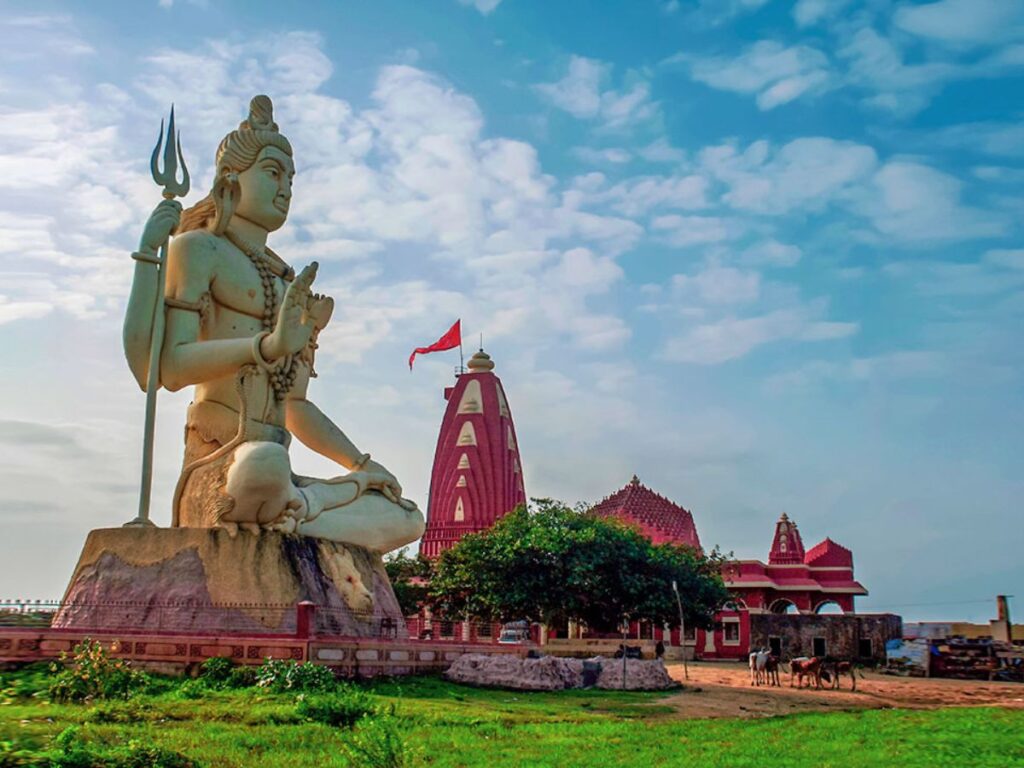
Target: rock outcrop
<point>554,673</point>
<point>204,580</point>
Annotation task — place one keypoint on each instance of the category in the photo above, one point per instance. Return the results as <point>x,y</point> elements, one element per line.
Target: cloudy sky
<point>765,254</point>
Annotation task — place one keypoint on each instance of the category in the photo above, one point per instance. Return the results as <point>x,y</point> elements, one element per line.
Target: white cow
<point>758,662</point>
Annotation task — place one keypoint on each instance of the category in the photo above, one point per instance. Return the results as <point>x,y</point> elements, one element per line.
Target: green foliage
<point>131,711</point>
<point>243,677</point>
<point>553,564</point>
<point>341,709</point>
<point>217,670</point>
<point>72,750</point>
<point>285,675</point>
<point>92,674</point>
<point>378,743</point>
<point>409,577</point>
<point>31,680</point>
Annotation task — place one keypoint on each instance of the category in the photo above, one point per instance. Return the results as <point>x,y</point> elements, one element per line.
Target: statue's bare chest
<point>240,287</point>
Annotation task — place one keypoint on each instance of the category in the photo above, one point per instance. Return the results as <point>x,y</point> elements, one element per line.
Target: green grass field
<point>448,725</point>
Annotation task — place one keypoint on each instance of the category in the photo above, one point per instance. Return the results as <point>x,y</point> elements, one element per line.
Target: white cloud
<point>998,273</point>
<point>807,13</point>
<point>484,6</point>
<point>686,231</point>
<point>909,201</point>
<point>637,196</point>
<point>889,367</point>
<point>606,155</point>
<point>993,138</point>
<point>971,22</point>
<point>580,93</point>
<point>806,173</point>
<point>1008,258</point>
<point>719,285</point>
<point>771,253</point>
<point>777,74</point>
<point>733,337</point>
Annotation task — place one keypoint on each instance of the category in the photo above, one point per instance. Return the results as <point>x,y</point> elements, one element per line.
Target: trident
<point>168,179</point>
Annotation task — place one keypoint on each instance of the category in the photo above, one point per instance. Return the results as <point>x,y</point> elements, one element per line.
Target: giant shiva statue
<point>241,327</point>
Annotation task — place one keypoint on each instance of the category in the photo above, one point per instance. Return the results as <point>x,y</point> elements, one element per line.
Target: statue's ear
<point>226,193</point>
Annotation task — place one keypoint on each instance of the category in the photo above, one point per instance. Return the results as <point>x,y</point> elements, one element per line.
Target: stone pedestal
<point>203,580</point>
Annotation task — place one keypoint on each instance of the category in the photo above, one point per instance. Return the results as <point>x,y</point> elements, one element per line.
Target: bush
<point>92,674</point>
<point>281,676</point>
<point>342,709</point>
<point>243,677</point>
<point>377,743</point>
<point>217,670</point>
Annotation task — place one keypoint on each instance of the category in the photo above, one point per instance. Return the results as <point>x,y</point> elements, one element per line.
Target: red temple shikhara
<point>477,475</point>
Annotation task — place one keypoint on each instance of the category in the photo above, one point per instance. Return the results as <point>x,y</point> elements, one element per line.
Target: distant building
<point>477,475</point>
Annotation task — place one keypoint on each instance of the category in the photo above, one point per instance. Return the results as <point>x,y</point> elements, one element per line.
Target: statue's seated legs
<point>266,494</point>
<point>370,521</point>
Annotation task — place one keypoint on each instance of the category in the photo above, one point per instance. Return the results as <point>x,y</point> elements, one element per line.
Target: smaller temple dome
<point>480,362</point>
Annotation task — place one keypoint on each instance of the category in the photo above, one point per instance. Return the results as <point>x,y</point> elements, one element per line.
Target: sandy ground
<point>722,689</point>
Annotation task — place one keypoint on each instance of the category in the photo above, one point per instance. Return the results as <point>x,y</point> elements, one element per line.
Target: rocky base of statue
<point>147,579</point>
<point>554,673</point>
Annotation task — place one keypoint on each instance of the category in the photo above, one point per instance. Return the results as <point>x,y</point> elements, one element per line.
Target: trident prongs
<point>168,178</point>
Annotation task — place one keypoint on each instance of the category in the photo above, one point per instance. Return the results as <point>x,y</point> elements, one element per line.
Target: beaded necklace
<point>282,374</point>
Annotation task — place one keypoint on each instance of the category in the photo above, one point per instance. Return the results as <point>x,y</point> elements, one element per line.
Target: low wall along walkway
<point>169,651</point>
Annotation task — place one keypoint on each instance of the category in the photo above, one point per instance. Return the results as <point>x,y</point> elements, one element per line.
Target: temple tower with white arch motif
<point>477,475</point>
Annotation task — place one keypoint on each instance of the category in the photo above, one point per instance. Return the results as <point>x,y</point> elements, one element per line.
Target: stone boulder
<point>554,673</point>
<point>641,675</point>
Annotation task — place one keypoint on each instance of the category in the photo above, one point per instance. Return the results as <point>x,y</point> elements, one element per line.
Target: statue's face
<point>266,189</point>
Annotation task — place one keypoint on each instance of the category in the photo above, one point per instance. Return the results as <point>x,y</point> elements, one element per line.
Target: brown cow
<point>837,668</point>
<point>771,669</point>
<point>801,667</point>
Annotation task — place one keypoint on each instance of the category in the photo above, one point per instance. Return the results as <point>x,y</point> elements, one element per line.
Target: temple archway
<point>828,608</point>
<point>735,605</point>
<point>783,605</point>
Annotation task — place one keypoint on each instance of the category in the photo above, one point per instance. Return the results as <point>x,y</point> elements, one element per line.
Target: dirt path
<point>725,691</point>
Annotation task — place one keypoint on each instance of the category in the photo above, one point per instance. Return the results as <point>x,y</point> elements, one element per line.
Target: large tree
<point>554,564</point>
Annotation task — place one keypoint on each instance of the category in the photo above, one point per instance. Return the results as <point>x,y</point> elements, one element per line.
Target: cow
<point>838,668</point>
<point>758,661</point>
<point>771,669</point>
<point>805,667</point>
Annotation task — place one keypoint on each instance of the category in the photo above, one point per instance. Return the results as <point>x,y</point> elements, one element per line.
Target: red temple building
<point>792,581</point>
<point>477,475</point>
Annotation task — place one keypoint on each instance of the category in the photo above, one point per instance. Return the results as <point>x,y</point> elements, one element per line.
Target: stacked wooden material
<point>973,660</point>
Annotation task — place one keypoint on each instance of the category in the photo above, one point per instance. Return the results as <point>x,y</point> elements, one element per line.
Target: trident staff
<point>172,188</point>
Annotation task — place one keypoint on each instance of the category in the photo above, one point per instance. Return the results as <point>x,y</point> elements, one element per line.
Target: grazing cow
<point>838,668</point>
<point>758,661</point>
<point>771,669</point>
<point>805,667</point>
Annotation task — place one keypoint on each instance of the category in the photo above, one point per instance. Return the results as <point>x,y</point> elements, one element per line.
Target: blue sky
<point>765,254</point>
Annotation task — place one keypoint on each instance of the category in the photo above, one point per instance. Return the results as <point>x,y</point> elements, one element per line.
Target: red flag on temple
<point>451,339</point>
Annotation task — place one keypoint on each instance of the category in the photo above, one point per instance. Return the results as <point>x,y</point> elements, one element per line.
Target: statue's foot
<point>227,525</point>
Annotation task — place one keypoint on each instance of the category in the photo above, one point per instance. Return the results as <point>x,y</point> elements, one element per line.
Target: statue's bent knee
<point>259,481</point>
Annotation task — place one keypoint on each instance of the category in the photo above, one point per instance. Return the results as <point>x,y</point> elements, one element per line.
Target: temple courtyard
<point>717,720</point>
